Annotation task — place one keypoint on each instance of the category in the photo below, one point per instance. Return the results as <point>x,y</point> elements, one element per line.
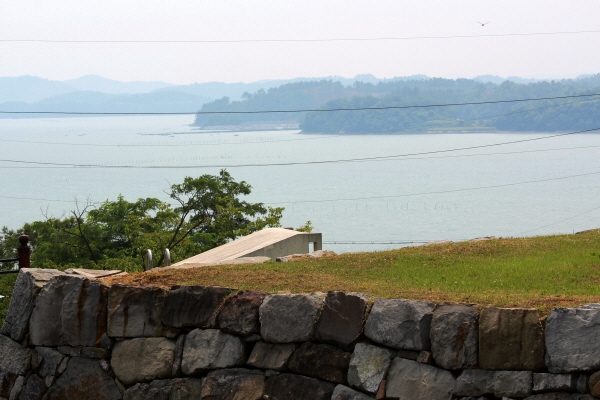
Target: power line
<point>393,196</point>
<point>374,39</point>
<point>304,110</point>
<point>474,119</point>
<point>399,159</point>
<point>290,140</point>
<point>377,242</point>
<point>440,191</point>
<point>37,199</point>
<point>363,159</point>
<point>562,220</point>
<point>502,153</point>
<point>165,144</point>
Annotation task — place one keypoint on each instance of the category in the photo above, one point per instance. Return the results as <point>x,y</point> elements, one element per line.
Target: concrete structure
<point>269,242</point>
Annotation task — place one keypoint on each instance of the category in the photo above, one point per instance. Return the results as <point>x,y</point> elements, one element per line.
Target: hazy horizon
<point>540,78</point>
<point>498,52</point>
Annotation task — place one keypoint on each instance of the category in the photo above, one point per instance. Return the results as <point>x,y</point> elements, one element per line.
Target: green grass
<point>7,281</point>
<point>542,272</point>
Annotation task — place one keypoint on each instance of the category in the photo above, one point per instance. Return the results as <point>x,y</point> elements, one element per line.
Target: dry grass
<point>542,272</point>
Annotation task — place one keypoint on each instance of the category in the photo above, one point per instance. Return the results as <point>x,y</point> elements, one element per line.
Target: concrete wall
<point>68,337</point>
<point>298,244</point>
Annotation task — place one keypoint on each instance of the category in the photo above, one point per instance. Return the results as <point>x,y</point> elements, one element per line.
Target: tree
<point>210,211</point>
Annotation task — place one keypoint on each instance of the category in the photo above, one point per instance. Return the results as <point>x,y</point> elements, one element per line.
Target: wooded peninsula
<point>567,114</point>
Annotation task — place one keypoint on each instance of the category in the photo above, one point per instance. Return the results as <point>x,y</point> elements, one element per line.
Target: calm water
<point>414,209</point>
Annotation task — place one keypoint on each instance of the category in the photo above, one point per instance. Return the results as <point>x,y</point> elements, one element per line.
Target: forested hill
<point>551,115</point>
<point>291,96</point>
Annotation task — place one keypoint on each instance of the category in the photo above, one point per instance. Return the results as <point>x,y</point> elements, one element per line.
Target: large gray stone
<point>497,383</point>
<point>34,388</point>
<point>143,359</point>
<point>298,387</point>
<point>481,398</point>
<point>69,310</point>
<point>287,318</point>
<point>166,389</point>
<point>8,381</point>
<point>560,396</point>
<point>94,273</point>
<point>474,382</point>
<point>368,366</point>
<point>234,384</point>
<point>239,313</point>
<point>193,306</point>
<point>186,388</point>
<point>572,339</point>
<point>271,356</point>
<point>45,326</point>
<point>15,359</point>
<point>178,355</point>
<point>27,286</point>
<point>83,316</point>
<point>410,380</point>
<point>321,361</point>
<point>155,390</point>
<point>401,324</point>
<point>512,383</point>
<point>211,349</point>
<point>49,361</point>
<point>342,319</point>
<point>511,339</point>
<point>135,311</point>
<point>454,336</point>
<point>84,378</point>
<point>594,384</point>
<point>16,390</point>
<point>342,392</point>
<point>544,382</point>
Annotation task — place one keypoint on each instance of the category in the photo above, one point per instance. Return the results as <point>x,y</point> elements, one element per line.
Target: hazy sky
<point>530,56</point>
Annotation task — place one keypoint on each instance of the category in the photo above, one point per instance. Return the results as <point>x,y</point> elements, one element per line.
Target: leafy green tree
<point>115,234</point>
<point>307,227</point>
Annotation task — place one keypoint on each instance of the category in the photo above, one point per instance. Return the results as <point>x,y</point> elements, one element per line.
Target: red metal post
<point>24,252</point>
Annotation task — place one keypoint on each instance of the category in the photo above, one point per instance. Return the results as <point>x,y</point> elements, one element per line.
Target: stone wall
<point>72,337</point>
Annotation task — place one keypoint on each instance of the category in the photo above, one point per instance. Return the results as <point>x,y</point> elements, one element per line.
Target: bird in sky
<point>483,23</point>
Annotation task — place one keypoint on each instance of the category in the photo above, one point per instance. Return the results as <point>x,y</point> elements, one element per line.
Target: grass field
<point>542,272</point>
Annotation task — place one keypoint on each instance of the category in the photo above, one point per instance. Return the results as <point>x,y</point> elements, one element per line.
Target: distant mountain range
<point>93,102</point>
<point>31,88</point>
<point>94,93</point>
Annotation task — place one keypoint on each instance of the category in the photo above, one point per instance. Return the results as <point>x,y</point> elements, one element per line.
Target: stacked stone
<point>69,337</point>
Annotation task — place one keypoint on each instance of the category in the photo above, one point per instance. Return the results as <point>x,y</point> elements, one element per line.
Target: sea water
<point>492,189</point>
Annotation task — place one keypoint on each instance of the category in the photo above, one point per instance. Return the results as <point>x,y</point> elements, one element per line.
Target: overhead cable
<point>376,242</point>
<point>396,159</point>
<point>289,140</point>
<point>438,191</point>
<point>391,196</point>
<point>362,159</point>
<point>166,144</point>
<point>562,220</point>
<point>373,39</point>
<point>38,199</point>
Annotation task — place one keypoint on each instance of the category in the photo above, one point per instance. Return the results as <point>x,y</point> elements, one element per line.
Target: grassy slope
<point>543,272</point>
